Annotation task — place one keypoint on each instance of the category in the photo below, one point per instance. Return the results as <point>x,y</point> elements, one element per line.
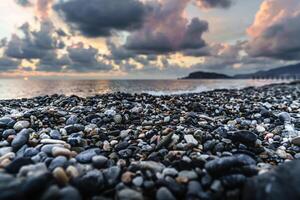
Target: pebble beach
<point>221,144</point>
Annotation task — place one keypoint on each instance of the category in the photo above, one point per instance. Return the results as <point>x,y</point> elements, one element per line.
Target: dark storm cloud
<point>34,44</point>
<point>8,64</point>
<point>119,52</point>
<point>53,63</point>
<point>193,36</point>
<point>96,18</point>
<point>214,3</point>
<point>85,59</point>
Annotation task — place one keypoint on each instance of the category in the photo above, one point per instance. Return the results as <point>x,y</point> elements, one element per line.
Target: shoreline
<point>158,93</point>
<point>216,144</point>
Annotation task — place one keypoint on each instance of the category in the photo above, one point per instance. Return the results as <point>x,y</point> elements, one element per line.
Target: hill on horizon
<point>289,71</point>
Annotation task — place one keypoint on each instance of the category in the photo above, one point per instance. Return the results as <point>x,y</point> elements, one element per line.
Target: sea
<point>20,88</point>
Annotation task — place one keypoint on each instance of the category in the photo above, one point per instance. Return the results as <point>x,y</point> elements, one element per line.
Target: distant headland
<point>285,72</point>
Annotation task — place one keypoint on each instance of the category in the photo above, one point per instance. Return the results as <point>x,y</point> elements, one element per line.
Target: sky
<point>146,39</point>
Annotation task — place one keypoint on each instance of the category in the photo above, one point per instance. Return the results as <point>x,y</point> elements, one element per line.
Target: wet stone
<point>6,122</point>
<point>163,193</point>
<point>245,137</point>
<point>86,156</point>
<point>99,161</point>
<point>129,194</point>
<point>21,125</point>
<point>17,164</point>
<point>20,139</point>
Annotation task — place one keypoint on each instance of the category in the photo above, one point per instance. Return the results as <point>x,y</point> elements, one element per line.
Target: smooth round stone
<point>72,171</point>
<point>52,141</point>
<point>130,194</point>
<point>260,129</point>
<point>51,193</point>
<point>20,139</point>
<point>60,175</point>
<point>167,119</point>
<point>216,186</point>
<point>5,150</point>
<point>112,174</point>
<point>99,161</point>
<point>16,164</point>
<point>30,152</point>
<point>90,183</point>
<point>297,156</point>
<point>296,141</point>
<point>138,181</point>
<point>55,134</point>
<point>59,161</point>
<point>110,112</point>
<point>73,119</point>
<point>194,189</point>
<point>8,132</point>
<point>188,174</point>
<point>47,148</point>
<point>127,177</point>
<point>34,169</point>
<point>21,125</point>
<point>163,193</point>
<point>246,137</point>
<point>68,193</point>
<point>74,128</point>
<point>284,117</point>
<point>118,119</point>
<point>170,172</point>
<point>222,165</point>
<point>6,122</point>
<point>87,155</point>
<point>124,133</point>
<point>58,151</point>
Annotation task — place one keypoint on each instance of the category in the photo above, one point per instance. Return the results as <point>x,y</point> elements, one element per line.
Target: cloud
<point>96,18</point>
<point>85,59</point>
<point>275,31</point>
<point>206,4</point>
<point>23,2</point>
<point>34,44</point>
<point>43,8</point>
<point>118,52</point>
<point>53,63</point>
<point>167,30</point>
<point>8,64</point>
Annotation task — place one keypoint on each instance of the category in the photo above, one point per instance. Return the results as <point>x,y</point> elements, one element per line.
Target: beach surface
<point>221,144</point>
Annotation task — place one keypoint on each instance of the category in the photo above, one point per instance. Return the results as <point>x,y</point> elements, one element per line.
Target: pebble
<point>58,151</point>
<point>52,141</point>
<point>296,141</point>
<point>17,164</point>
<point>118,119</point>
<point>68,193</point>
<point>99,161</point>
<point>129,194</point>
<point>163,193</point>
<point>87,155</point>
<point>60,175</point>
<point>246,137</point>
<point>205,145</point>
<point>191,140</point>
<point>21,125</point>
<point>20,139</point>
